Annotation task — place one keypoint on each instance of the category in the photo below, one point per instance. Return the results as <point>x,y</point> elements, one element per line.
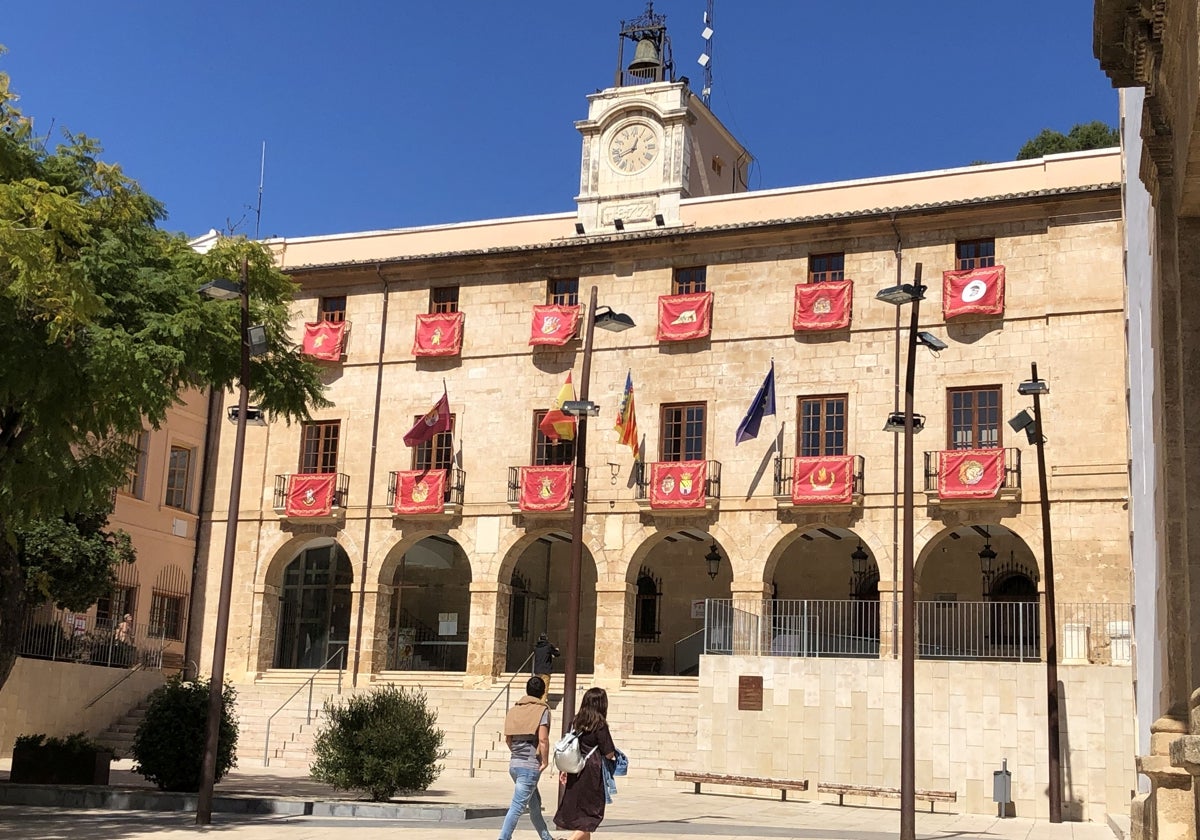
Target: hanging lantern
<point>713,561</point>
<point>987,565</point>
<point>858,569</point>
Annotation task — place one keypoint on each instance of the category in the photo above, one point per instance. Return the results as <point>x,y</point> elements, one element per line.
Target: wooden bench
<point>930,796</point>
<point>782,785</point>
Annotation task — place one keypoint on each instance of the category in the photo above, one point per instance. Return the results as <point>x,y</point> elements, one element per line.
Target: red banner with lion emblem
<point>684,317</point>
<point>823,306</point>
<point>976,291</point>
<point>554,324</point>
<point>311,494</point>
<point>678,484</point>
<point>439,334</point>
<point>324,340</point>
<point>546,488</point>
<point>827,480</point>
<point>970,473</point>
<point>420,491</point>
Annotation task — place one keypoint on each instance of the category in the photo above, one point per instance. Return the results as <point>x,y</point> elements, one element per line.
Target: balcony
<point>547,490</point>
<point>832,482</point>
<point>973,476</point>
<point>307,496</point>
<point>678,486</point>
<point>409,492</point>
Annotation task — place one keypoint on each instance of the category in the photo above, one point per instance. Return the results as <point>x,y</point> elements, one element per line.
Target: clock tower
<point>649,141</point>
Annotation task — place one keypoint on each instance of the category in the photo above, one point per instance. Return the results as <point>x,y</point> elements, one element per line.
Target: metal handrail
<point>475,725</point>
<point>337,654</point>
<point>126,676</point>
<point>675,650</point>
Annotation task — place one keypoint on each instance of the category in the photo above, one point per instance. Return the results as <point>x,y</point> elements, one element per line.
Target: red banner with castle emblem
<point>970,473</point>
<point>324,340</point>
<point>823,306</point>
<point>420,491</point>
<point>546,488</point>
<point>678,484</point>
<point>827,480</point>
<point>976,291</point>
<point>311,494</point>
<point>684,317</point>
<point>439,334</point>
<point>554,324</point>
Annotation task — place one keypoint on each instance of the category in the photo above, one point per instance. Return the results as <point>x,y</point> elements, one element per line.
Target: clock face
<point>632,149</point>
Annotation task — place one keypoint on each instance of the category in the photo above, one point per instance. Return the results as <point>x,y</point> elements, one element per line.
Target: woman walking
<point>582,806</point>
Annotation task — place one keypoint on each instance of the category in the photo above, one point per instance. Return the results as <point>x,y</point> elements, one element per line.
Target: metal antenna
<point>262,169</point>
<point>705,60</point>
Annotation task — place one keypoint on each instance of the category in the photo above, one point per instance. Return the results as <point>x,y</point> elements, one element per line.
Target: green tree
<point>100,329</point>
<point>1083,136</point>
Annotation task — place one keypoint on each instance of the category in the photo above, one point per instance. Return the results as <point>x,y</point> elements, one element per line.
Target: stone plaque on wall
<point>750,694</point>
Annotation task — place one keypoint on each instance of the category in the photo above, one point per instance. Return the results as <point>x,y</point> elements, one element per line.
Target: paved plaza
<point>641,809</point>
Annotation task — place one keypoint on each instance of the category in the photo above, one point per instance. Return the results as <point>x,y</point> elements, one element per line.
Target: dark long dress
<point>582,807</point>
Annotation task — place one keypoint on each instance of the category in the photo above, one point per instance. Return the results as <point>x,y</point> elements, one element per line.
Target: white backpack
<point>568,757</point>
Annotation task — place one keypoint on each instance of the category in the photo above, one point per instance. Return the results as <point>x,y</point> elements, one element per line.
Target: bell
<point>645,60</point>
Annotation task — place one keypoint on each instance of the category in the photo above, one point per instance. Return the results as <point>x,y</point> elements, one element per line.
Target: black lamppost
<point>582,409</point>
<point>1035,387</point>
<point>227,290</point>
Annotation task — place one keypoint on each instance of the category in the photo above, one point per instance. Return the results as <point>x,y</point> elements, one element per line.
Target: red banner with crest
<point>439,334</point>
<point>823,306</point>
<point>420,491</point>
<point>546,488</point>
<point>970,473</point>
<point>554,324</point>
<point>678,484</point>
<point>324,340</point>
<point>826,480</point>
<point>311,494</point>
<point>975,291</point>
<point>684,317</point>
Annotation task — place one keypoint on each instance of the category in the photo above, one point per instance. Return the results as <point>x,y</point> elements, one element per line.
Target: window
<point>332,309</point>
<point>974,253</point>
<point>111,608</point>
<point>436,454</point>
<point>974,418</point>
<point>826,268</point>
<point>563,292</point>
<point>166,616</point>
<point>319,447</point>
<point>518,610</point>
<point>137,476</point>
<point>683,432</point>
<point>822,426</point>
<point>179,478</point>
<point>649,593</point>
<point>689,280</point>
<point>545,451</point>
<point>443,299</point>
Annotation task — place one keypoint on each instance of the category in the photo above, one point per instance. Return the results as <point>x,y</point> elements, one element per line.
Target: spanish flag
<point>556,425</point>
<point>627,419</point>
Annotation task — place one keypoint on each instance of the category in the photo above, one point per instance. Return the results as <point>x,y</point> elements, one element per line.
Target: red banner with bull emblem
<point>678,484</point>
<point>823,306</point>
<point>684,317</point>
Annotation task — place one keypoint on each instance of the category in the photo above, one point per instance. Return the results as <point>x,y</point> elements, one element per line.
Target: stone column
<point>1168,812</point>
<point>889,620</point>
<point>373,646</point>
<point>614,632</point>
<point>489,631</point>
<point>1185,754</point>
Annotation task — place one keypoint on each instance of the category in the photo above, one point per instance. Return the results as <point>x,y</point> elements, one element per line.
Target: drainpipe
<point>366,549</point>
<point>203,506</point>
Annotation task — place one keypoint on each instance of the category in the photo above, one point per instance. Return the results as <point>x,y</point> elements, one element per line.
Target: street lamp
<point>606,319</point>
<point>712,562</point>
<point>1035,387</point>
<point>898,296</point>
<point>227,290</point>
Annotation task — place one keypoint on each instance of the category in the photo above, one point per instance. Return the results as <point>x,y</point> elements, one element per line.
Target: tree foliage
<point>100,329</point>
<point>169,744</point>
<point>1083,136</point>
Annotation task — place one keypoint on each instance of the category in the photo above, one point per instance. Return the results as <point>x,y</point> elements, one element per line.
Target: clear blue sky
<point>393,114</point>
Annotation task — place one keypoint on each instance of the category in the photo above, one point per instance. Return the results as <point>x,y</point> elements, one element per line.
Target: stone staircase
<point>119,735</point>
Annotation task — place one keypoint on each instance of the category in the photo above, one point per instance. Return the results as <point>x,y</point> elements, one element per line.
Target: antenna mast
<point>705,60</point>
<point>262,169</point>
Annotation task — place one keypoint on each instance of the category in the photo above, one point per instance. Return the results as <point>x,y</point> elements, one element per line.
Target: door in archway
<point>1015,625</point>
<point>314,621</point>
<point>430,611</point>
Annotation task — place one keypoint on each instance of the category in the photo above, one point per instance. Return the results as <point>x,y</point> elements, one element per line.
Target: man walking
<point>543,661</point>
<point>527,733</point>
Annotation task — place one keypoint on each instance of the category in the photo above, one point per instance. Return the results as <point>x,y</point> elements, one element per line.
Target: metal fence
<point>66,636</point>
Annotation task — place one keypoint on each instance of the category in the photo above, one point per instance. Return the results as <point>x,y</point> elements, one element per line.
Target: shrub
<point>380,742</point>
<point>169,744</point>
<point>73,760</point>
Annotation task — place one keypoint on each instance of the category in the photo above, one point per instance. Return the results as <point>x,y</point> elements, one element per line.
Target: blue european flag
<point>764,404</point>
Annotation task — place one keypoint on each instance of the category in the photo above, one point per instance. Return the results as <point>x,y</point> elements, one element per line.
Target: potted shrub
<point>74,760</point>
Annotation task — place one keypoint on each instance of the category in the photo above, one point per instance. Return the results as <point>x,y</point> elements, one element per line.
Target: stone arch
<point>306,606</point>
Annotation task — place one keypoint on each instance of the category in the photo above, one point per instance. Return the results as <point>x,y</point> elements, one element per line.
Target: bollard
<point>1002,789</point>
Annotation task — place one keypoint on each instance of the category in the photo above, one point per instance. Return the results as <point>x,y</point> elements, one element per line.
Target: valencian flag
<point>825,480</point>
<point>626,425</point>
<point>546,488</point>
<point>420,491</point>
<point>970,473</point>
<point>678,484</point>
<point>438,334</point>
<point>764,404</point>
<point>436,420</point>
<point>684,317</point>
<point>553,324</point>
<point>976,291</point>
<point>324,339</point>
<point>823,306</point>
<point>311,494</point>
<point>557,425</point>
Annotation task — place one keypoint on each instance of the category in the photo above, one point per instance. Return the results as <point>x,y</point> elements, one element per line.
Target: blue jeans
<point>525,795</point>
